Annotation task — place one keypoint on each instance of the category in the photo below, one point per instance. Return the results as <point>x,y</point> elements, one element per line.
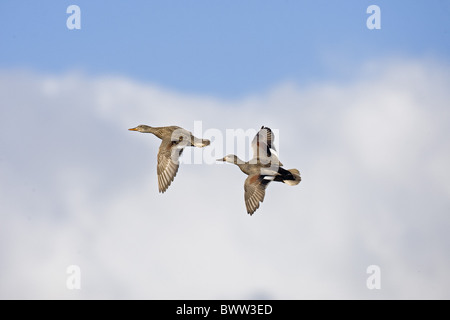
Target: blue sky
<point>224,48</point>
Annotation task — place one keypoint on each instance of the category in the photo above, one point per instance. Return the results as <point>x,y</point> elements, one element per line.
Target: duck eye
<point>181,138</point>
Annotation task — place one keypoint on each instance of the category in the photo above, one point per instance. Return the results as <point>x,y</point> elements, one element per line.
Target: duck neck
<point>155,130</point>
<point>241,164</point>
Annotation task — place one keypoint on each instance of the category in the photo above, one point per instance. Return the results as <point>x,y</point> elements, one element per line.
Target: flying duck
<point>262,169</point>
<point>174,140</point>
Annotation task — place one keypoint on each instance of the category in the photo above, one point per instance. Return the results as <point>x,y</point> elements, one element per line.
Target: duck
<point>174,140</point>
<point>262,169</point>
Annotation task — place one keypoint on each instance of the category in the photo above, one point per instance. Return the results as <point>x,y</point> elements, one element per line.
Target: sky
<point>221,48</point>
<point>362,114</point>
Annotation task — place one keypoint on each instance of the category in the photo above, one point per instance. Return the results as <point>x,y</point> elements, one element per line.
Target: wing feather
<point>168,163</point>
<point>255,190</point>
<point>263,147</point>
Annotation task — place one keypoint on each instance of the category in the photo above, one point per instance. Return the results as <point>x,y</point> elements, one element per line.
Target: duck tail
<point>200,142</point>
<point>295,179</point>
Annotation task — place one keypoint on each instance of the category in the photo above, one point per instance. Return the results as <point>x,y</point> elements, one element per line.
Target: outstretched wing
<point>255,190</point>
<point>169,152</point>
<point>263,147</point>
<point>168,164</point>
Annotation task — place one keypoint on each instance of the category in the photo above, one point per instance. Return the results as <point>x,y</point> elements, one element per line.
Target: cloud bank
<point>77,188</point>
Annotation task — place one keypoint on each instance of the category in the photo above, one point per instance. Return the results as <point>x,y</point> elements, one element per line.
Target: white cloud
<point>77,188</point>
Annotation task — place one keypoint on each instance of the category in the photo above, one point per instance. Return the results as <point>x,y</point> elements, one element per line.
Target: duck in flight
<point>262,169</point>
<point>174,140</point>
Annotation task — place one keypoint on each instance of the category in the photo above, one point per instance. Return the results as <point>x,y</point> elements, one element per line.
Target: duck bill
<point>133,129</point>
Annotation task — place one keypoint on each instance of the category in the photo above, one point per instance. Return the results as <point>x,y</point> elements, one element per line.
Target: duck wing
<point>264,148</point>
<point>255,190</point>
<point>168,163</point>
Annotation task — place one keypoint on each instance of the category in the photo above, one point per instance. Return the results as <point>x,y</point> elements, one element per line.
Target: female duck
<point>174,140</point>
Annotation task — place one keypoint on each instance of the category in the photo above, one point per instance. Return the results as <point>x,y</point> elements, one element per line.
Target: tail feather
<point>296,174</point>
<point>200,143</point>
